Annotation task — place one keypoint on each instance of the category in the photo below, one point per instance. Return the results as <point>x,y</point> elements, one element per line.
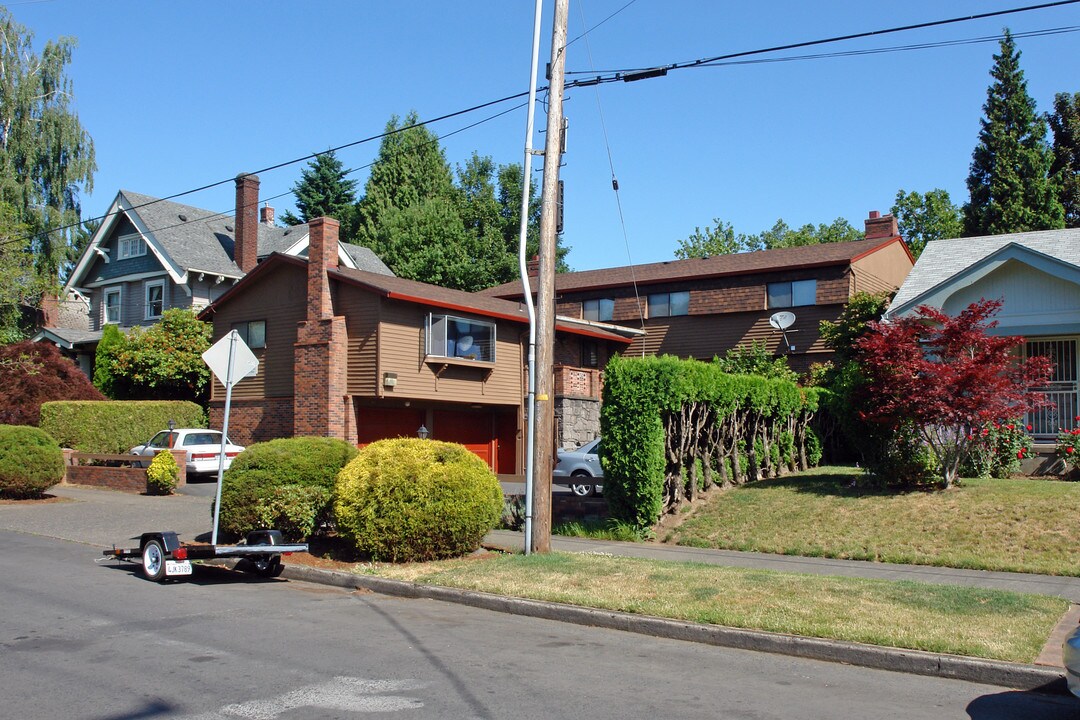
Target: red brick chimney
<point>50,309</point>
<point>322,254</point>
<point>532,267</point>
<point>246,240</point>
<point>881,228</point>
<point>266,215</point>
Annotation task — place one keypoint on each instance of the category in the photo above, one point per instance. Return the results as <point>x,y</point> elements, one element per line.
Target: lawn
<point>937,618</point>
<point>1021,525</point>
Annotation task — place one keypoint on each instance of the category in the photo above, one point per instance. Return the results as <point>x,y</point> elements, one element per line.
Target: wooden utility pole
<point>543,449</point>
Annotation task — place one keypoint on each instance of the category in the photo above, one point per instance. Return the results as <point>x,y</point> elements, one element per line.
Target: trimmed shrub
<point>30,462</point>
<point>162,475</point>
<point>286,484</point>
<point>33,373</point>
<point>112,427</point>
<point>410,500</point>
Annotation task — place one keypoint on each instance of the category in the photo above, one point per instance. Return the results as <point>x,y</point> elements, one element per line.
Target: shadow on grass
<point>846,483</point>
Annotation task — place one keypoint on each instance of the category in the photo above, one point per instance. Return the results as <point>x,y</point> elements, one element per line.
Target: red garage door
<point>474,430</point>
<point>381,423</point>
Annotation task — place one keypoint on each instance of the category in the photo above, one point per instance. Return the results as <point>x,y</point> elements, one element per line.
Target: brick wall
<point>252,421</point>
<point>320,354</point>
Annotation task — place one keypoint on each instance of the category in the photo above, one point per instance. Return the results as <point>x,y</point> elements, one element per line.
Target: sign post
<point>231,360</point>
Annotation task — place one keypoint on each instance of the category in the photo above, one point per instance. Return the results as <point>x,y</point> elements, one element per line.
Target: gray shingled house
<point>150,255</point>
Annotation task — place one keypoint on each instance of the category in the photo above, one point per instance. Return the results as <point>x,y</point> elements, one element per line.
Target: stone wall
<point>578,421</point>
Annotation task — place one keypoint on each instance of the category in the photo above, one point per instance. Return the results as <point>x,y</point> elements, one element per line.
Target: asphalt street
<point>93,640</point>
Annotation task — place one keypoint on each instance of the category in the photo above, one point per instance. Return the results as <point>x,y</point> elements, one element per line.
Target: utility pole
<point>543,449</point>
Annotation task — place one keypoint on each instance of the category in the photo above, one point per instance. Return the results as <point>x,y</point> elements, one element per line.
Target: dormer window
<point>131,246</point>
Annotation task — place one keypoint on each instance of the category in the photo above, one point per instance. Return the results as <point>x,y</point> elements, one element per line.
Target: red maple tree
<point>948,376</point>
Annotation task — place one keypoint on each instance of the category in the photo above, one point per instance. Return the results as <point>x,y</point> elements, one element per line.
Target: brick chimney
<point>532,267</point>
<point>881,228</point>
<point>321,404</point>
<point>266,215</point>
<point>50,309</point>
<point>246,240</point>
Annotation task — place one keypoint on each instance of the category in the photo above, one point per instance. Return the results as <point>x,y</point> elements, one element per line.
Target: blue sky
<point>182,94</point>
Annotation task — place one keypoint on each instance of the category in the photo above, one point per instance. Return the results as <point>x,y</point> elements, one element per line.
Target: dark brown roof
<point>699,268</point>
<point>397,288</point>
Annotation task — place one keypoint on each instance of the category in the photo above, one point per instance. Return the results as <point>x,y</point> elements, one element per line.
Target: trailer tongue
<point>163,556</point>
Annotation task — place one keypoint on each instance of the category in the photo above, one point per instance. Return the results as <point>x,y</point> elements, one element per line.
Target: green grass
<point>609,529</point>
<point>1021,525</point>
<point>936,618</point>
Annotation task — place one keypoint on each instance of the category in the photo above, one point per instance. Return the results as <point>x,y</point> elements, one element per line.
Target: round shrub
<point>30,461</point>
<point>410,500</point>
<point>284,484</point>
<point>162,475</point>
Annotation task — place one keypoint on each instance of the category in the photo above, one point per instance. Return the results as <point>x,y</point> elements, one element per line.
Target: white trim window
<point>110,305</point>
<point>130,246</point>
<point>456,337</point>
<point>791,294</point>
<point>155,299</point>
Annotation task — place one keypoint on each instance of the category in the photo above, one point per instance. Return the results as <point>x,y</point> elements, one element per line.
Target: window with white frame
<point>131,246</point>
<point>155,299</point>
<point>669,304</point>
<point>111,305</point>
<point>791,294</point>
<point>252,332</point>
<point>455,337</point>
<point>598,310</point>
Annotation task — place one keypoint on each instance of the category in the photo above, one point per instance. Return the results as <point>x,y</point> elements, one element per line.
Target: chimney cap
<point>874,214</point>
<point>247,176</point>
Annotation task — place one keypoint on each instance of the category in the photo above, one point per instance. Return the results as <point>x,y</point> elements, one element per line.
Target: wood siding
<point>882,271</point>
<point>362,312</point>
<point>401,351</point>
<point>280,300</point>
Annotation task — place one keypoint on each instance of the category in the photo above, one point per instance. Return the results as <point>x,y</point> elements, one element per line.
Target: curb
<point>916,662</point>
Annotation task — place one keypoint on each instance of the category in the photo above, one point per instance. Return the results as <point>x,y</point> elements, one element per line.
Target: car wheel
<point>580,488</point>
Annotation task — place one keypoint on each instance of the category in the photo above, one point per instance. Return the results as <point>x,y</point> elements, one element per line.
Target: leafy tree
<point>104,358</point>
<point>163,362</point>
<point>46,156</point>
<point>755,359</point>
<point>21,285</point>
<point>324,191</point>
<point>32,373</point>
<point>946,377</point>
<point>1009,178</point>
<point>721,239</point>
<point>925,217</point>
<point>1065,170</point>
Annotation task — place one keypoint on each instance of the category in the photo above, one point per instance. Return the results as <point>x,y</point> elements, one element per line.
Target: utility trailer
<point>163,556</point>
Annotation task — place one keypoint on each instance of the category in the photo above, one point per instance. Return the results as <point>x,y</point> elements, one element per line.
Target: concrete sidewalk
<point>102,518</point>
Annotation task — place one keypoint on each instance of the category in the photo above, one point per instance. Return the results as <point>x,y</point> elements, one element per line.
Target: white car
<point>203,448</point>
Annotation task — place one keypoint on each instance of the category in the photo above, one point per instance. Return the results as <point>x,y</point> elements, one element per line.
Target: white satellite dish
<point>782,320</point>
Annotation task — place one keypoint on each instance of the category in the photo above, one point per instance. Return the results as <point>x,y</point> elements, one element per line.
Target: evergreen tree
<point>922,218</point>
<point>1065,170</point>
<point>46,157</point>
<point>1009,178</point>
<point>324,191</point>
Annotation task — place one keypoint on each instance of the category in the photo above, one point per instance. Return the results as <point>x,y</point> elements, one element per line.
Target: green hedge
<point>408,500</point>
<point>114,426</point>
<point>30,462</point>
<point>285,484</point>
<point>673,428</point>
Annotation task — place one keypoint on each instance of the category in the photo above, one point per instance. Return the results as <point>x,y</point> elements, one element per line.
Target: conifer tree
<point>1065,170</point>
<point>324,191</point>
<point>1009,184</point>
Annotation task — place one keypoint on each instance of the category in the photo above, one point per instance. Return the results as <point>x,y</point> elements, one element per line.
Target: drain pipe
<point>526,196</point>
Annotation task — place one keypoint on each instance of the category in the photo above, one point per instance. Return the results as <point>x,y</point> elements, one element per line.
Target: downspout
<point>526,195</point>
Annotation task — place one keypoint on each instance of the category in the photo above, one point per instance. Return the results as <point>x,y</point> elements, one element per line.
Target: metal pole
<point>523,267</point>
<point>233,337</point>
<point>545,411</point>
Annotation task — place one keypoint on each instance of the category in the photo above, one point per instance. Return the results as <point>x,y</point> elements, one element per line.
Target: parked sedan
<point>202,446</point>
<point>580,469</point>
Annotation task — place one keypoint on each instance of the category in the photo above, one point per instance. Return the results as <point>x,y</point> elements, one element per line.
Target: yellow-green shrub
<point>30,461</point>
<point>162,474</point>
<point>409,500</point>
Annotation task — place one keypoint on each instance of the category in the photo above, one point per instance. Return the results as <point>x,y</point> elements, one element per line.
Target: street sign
<point>244,362</point>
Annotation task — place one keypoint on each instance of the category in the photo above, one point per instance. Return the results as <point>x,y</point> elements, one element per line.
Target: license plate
<point>177,567</point>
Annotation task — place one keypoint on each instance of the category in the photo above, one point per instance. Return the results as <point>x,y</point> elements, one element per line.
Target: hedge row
<point>674,427</point>
<point>113,427</point>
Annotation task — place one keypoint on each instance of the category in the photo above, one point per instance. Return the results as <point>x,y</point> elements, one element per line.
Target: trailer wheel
<point>267,567</point>
<point>153,561</point>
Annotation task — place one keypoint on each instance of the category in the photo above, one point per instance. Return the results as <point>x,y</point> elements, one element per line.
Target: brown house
<point>363,356</point>
<point>703,307</point>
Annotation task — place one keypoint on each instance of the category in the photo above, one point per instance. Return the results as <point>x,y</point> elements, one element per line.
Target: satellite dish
<point>782,320</point>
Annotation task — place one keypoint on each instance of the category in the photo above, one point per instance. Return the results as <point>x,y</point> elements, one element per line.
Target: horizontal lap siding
<point>361,310</point>
<point>279,298</point>
<point>882,271</point>
<point>401,351</point>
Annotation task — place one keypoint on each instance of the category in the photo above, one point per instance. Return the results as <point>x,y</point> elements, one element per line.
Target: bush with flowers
<point>1068,446</point>
<point>997,449</point>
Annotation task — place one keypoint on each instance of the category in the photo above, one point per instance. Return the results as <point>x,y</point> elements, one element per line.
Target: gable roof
<point>760,261</point>
<point>189,239</point>
<point>396,288</point>
<point>948,263</point>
